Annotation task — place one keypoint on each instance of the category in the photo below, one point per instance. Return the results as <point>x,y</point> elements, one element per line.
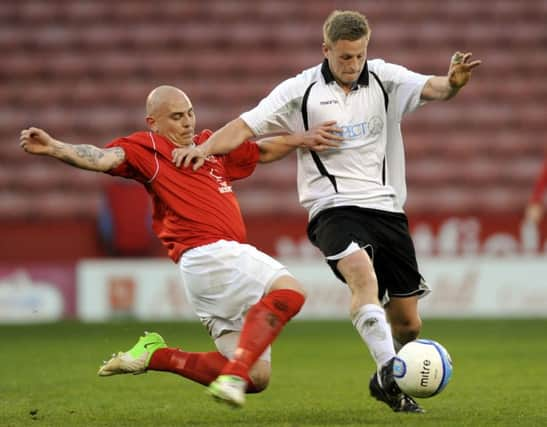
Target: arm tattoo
<point>89,154</point>
<point>89,157</point>
<point>118,152</point>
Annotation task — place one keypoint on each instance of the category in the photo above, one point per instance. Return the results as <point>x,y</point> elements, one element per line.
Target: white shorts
<point>224,279</point>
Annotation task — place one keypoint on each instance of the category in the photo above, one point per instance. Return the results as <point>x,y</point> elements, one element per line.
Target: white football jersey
<point>368,169</point>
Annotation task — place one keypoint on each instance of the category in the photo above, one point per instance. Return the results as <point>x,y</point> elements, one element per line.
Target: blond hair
<point>345,25</point>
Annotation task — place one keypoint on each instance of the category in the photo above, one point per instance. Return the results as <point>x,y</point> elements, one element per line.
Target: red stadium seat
<point>85,79</point>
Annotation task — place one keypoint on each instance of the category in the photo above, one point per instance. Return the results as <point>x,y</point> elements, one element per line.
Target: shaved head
<point>169,113</point>
<point>161,96</point>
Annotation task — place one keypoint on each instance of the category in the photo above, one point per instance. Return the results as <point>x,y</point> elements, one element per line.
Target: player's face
<point>175,120</point>
<point>346,59</point>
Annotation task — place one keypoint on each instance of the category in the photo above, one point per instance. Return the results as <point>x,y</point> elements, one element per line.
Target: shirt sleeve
<point>403,86</point>
<point>241,162</point>
<point>126,169</point>
<point>280,110</point>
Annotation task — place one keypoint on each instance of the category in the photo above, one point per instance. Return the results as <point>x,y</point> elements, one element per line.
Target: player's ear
<point>150,121</point>
<point>325,49</point>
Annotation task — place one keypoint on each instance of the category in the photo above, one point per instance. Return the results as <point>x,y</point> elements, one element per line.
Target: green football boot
<point>135,360</point>
<point>229,389</point>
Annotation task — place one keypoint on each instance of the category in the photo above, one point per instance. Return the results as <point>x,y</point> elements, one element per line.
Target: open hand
<point>323,137</point>
<point>460,68</point>
<point>188,155</point>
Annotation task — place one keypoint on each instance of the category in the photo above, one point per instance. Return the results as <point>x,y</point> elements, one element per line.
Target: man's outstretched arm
<point>321,137</point>
<point>37,141</point>
<point>227,138</point>
<point>232,135</point>
<point>445,87</point>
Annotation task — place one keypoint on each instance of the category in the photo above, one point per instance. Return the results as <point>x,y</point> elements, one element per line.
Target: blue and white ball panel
<point>447,363</point>
<point>422,368</point>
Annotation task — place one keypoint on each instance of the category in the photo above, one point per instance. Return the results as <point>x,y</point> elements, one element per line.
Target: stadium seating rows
<point>82,71</point>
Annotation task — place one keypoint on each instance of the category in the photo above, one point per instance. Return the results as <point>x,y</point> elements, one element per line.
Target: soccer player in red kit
<point>197,218</point>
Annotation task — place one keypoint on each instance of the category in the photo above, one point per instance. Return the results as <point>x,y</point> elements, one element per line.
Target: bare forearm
<point>438,88</point>
<point>227,138</point>
<point>86,156</point>
<point>324,136</point>
<point>276,148</point>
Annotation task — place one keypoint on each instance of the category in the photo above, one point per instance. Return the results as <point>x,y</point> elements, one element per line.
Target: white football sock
<point>370,321</point>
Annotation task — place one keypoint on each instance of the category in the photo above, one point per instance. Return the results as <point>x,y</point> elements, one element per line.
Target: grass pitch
<point>320,378</point>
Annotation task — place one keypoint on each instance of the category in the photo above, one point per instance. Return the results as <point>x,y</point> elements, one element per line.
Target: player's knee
<point>260,383</point>
<point>407,330</point>
<point>288,282</point>
<point>358,272</point>
<point>260,376</point>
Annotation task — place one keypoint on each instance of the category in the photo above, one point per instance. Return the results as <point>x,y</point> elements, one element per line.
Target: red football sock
<point>263,323</point>
<point>199,367</point>
<point>202,368</point>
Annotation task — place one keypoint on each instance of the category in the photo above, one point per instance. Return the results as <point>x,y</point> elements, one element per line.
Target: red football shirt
<point>190,208</point>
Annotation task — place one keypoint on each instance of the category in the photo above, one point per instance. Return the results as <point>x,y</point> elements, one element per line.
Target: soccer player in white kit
<point>355,193</point>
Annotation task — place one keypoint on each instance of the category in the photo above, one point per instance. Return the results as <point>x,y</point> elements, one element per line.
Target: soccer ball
<point>422,368</point>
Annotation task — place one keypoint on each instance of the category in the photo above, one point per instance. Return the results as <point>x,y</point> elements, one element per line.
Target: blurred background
<point>82,70</point>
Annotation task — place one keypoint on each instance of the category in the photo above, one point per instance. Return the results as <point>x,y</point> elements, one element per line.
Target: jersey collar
<point>329,78</point>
